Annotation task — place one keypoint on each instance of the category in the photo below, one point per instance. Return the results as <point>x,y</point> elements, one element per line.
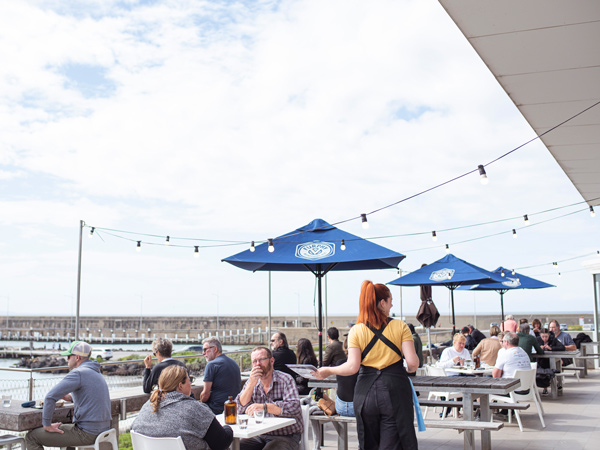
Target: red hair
<point>370,295</point>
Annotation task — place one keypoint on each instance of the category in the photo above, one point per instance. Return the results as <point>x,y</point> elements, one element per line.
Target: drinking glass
<point>259,415</point>
<point>6,399</point>
<point>242,421</point>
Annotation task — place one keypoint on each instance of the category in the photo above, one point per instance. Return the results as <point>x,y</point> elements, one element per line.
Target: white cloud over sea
<point>245,120</point>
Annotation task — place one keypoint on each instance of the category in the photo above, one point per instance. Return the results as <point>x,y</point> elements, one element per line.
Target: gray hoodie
<point>88,388</point>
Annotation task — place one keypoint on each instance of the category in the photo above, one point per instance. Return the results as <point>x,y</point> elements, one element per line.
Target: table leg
<point>468,416</point>
<point>342,432</point>
<point>559,382</point>
<point>235,445</point>
<point>485,415</point>
<point>554,381</point>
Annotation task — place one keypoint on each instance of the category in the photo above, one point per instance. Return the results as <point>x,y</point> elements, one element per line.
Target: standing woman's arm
<point>412,360</point>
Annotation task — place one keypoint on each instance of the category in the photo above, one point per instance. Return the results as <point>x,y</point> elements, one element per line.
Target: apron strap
<point>378,335</point>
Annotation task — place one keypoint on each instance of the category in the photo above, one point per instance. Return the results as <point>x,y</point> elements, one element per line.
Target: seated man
<point>470,343</point>
<point>334,352</point>
<point>477,335</point>
<point>564,338</point>
<point>276,394</point>
<point>162,349</point>
<point>222,377</point>
<point>527,341</point>
<point>86,387</point>
<point>511,360</point>
<point>282,354</point>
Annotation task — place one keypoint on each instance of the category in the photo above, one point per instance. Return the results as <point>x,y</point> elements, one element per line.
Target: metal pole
<point>320,322</point>
<point>81,225</point>
<point>298,322</point>
<point>400,296</point>
<point>326,322</point>
<point>269,329</point>
<point>453,317</point>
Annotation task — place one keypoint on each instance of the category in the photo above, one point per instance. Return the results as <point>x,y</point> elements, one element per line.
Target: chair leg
<point>540,413</point>
<point>518,416</point>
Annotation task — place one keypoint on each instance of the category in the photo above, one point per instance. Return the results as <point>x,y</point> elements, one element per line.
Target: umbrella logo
<point>441,275</point>
<point>512,283</point>
<point>315,250</point>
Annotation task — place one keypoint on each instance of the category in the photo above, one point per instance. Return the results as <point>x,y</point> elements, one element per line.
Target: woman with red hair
<point>378,346</point>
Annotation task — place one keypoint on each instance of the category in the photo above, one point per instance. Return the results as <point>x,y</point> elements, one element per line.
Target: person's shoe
<point>500,417</point>
<point>545,391</point>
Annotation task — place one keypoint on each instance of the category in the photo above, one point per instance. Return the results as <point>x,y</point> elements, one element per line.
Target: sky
<point>222,122</point>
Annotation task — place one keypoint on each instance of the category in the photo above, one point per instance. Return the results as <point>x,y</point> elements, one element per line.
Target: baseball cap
<point>79,348</point>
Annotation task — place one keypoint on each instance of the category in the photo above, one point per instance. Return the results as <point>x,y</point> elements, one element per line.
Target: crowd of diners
<point>372,365</point>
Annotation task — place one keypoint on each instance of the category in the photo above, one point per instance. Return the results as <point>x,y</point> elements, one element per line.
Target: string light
<point>555,264</point>
<point>434,236</point>
<point>343,245</point>
<point>168,240</point>
<point>592,212</point>
<point>139,246</point>
<point>559,274</point>
<point>502,273</point>
<point>252,248</point>
<point>365,224</point>
<point>271,246</point>
<point>92,232</point>
<point>196,251</point>
<point>514,233</point>
<point>447,248</point>
<point>526,219</point>
<point>483,176</point>
<point>513,271</point>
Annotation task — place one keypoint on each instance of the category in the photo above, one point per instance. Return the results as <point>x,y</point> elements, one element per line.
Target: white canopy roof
<point>546,56</point>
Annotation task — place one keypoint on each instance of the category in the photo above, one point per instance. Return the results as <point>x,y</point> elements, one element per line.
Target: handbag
<point>327,405</point>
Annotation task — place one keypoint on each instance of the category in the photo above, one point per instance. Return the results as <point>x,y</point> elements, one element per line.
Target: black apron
<point>398,384</point>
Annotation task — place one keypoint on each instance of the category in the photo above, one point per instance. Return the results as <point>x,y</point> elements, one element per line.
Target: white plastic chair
<point>10,439</point>
<point>440,372</point>
<point>109,436</point>
<point>141,442</point>
<point>527,378</point>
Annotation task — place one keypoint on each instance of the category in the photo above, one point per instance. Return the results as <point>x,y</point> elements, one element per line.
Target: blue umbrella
<point>451,272</point>
<point>319,248</point>
<point>509,282</point>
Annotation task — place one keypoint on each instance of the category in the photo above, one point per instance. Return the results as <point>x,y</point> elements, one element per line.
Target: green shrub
<point>125,442</point>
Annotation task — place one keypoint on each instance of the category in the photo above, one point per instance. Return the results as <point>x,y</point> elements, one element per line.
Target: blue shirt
<point>224,374</point>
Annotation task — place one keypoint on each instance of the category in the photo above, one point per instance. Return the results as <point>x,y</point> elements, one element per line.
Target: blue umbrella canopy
<point>509,282</point>
<point>319,248</point>
<point>451,272</point>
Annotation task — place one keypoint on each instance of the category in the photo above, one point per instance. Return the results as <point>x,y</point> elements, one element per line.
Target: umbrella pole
<point>429,355</point>
<point>453,318</point>
<point>320,320</point>
<point>502,307</point>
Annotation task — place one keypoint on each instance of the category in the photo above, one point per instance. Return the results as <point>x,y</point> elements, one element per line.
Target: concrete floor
<point>572,423</point>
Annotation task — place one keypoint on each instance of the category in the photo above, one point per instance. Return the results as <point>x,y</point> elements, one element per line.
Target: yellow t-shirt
<point>380,356</point>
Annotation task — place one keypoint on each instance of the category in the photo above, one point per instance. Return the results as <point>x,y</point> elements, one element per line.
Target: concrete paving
<point>572,423</point>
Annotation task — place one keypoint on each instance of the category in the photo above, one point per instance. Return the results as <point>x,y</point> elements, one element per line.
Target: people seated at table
<point>509,324</point>
<point>521,322</point>
<point>276,394</point>
<point>487,350</point>
<point>344,400</point>
<point>418,345</point>
<point>171,412</point>
<point>528,342</point>
<point>513,359</point>
<point>305,355</point>
<point>222,376</point>
<point>565,339</point>
<point>455,355</point>
<point>548,342</point>
<point>536,327</point>
<point>477,335</point>
<point>470,343</point>
<point>282,353</point>
<point>87,388</point>
<point>334,351</point>
<point>162,349</point>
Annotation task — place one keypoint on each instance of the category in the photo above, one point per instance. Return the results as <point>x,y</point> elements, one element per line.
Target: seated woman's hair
<point>169,380</point>
<point>494,330</point>
<point>305,352</point>
<point>459,337</point>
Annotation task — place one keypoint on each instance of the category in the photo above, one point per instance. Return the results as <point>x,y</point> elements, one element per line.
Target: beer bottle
<point>230,411</point>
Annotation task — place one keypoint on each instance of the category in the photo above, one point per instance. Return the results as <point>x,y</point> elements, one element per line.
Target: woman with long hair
<point>305,354</point>
<point>383,398</point>
<point>171,412</point>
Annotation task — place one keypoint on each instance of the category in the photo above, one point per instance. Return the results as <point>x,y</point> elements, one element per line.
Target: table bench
<point>340,423</point>
<point>459,404</point>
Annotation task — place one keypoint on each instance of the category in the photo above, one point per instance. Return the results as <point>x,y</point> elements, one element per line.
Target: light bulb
<point>515,233</point>
<point>252,248</point>
<point>365,224</point>
<point>592,212</point>
<point>92,232</point>
<point>139,246</point>
<point>513,271</point>
<point>502,273</point>
<point>482,175</point>
<point>271,246</point>
<point>343,245</point>
<point>447,248</point>
<point>526,219</point>
<point>168,240</point>
<point>196,251</point>
<point>434,236</point>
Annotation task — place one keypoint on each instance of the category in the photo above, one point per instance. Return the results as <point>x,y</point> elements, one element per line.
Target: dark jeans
<point>379,420</point>
<point>268,442</point>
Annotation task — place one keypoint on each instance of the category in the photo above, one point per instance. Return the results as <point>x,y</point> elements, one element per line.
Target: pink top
<point>509,325</point>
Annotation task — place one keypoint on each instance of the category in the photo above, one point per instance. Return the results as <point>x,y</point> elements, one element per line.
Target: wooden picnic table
<point>556,384</point>
<point>587,352</point>
<point>471,388</point>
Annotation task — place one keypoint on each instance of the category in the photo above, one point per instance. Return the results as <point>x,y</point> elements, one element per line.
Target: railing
<point>36,388</point>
